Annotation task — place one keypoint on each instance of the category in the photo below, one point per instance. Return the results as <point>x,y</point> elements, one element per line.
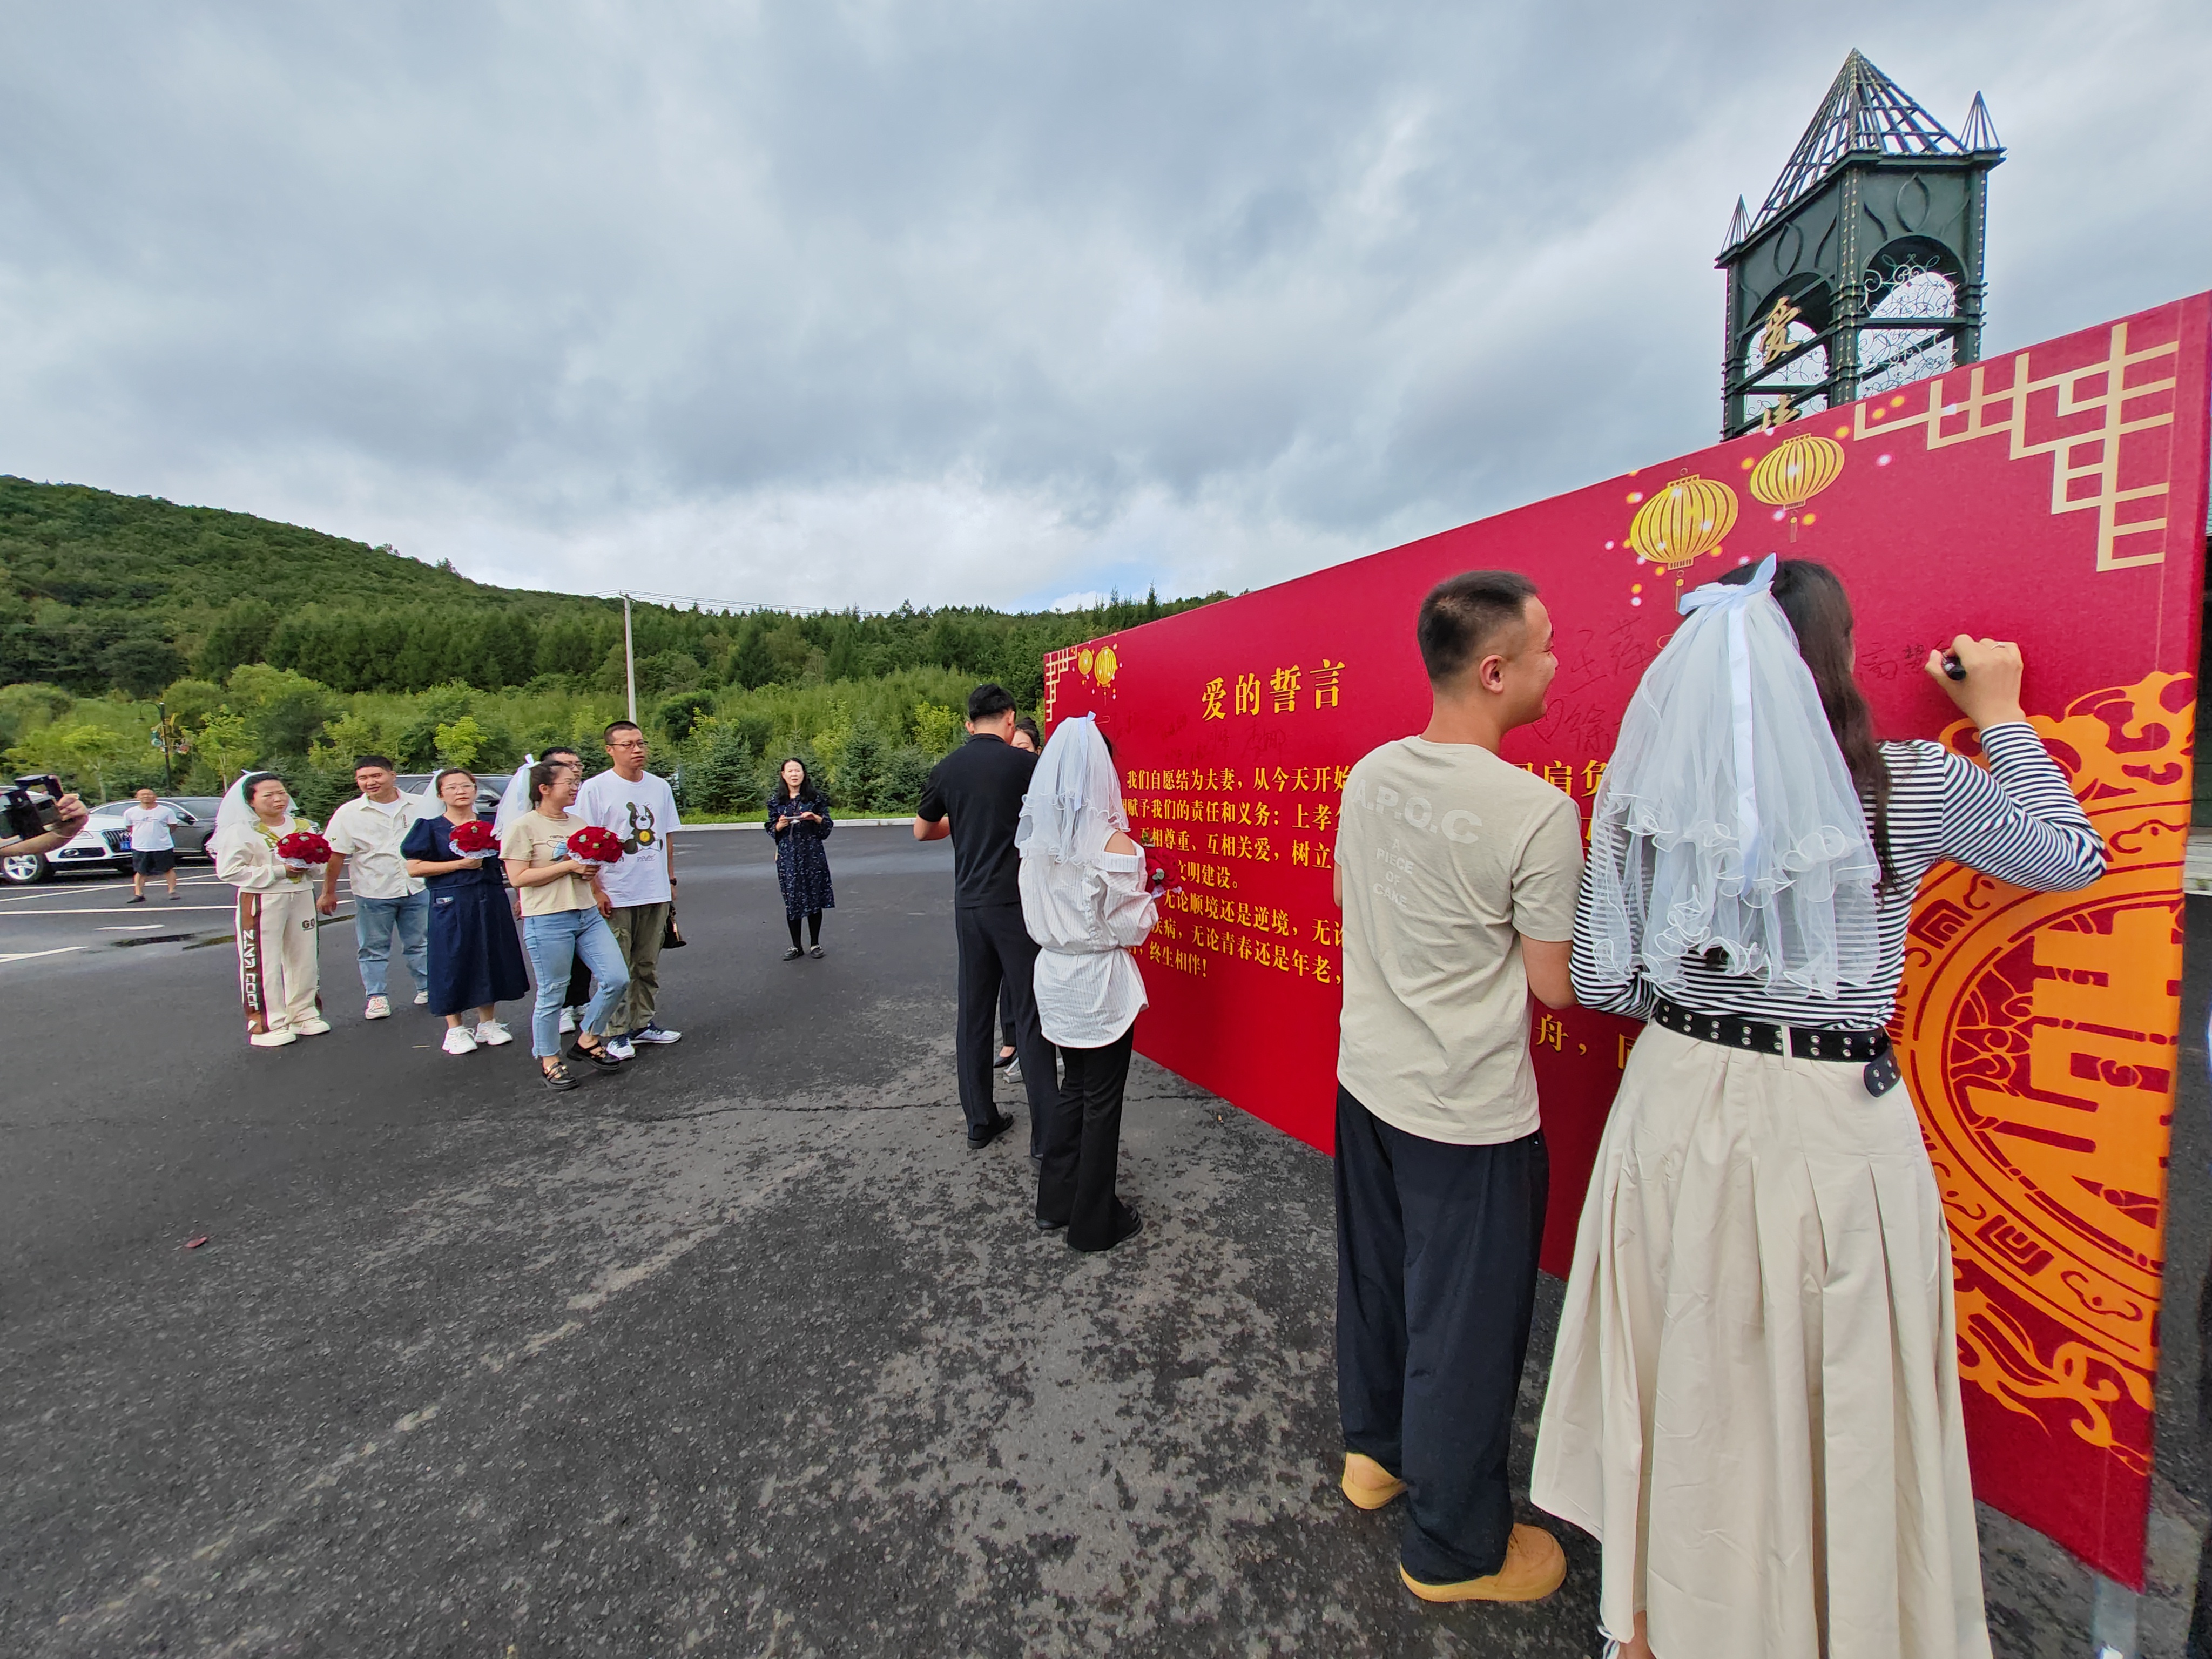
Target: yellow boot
<point>1367,1483</point>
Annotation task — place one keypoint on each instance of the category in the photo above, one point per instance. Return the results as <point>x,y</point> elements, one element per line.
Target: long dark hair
<point>1819,613</point>
<point>783,791</point>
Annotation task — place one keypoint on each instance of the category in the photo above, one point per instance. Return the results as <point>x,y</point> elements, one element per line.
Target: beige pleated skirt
<point>1754,1401</point>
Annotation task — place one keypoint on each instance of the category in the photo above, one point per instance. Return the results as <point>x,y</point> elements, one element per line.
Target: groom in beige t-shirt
<point>1456,873</point>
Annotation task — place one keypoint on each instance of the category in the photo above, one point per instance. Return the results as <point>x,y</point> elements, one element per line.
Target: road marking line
<point>113,910</point>
<point>28,955</point>
<point>128,927</point>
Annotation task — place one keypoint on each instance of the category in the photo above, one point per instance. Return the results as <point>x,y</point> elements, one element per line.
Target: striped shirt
<point>2018,822</point>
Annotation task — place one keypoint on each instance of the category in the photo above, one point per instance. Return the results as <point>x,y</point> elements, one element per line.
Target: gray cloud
<point>852,303</point>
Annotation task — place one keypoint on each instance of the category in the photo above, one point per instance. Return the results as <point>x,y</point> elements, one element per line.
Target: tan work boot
<point>1535,1566</point>
<point>1367,1483</point>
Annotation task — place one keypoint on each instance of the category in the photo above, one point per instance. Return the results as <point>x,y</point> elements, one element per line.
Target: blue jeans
<point>554,943</point>
<point>372,922</point>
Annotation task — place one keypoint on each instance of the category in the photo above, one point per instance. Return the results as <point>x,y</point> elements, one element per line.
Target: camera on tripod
<point>32,805</point>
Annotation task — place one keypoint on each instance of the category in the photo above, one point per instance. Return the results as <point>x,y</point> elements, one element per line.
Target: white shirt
<point>368,833</point>
<point>641,815</point>
<point>1087,917</point>
<point>150,828</point>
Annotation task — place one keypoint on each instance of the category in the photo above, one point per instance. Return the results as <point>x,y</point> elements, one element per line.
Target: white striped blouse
<point>2017,820</point>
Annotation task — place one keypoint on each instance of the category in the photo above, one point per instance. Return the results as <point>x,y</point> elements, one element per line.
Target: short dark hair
<point>541,777</point>
<point>562,749</point>
<point>252,782</point>
<point>1464,613</point>
<point>988,701</point>
<point>384,761</point>
<point>614,726</point>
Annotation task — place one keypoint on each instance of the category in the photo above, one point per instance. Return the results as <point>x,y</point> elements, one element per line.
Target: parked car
<point>104,843</point>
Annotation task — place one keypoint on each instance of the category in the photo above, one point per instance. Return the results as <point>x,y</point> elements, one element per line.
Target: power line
<point>740,605</point>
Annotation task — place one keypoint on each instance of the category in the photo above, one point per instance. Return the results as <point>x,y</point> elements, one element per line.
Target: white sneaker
<point>650,1032</point>
<point>490,1033</point>
<point>273,1039</point>
<point>620,1048</point>
<point>458,1042</point>
<point>422,999</point>
<point>313,1025</point>
<point>567,1021</point>
<point>378,1008</point>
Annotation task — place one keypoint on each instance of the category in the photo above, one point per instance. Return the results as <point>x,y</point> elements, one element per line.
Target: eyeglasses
<point>633,742</point>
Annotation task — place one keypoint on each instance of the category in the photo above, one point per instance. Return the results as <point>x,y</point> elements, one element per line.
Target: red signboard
<point>2056,497</point>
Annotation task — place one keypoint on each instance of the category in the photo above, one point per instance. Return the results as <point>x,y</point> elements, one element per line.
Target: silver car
<point>104,843</point>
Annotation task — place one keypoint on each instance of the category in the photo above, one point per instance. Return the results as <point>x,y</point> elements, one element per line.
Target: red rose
<point>304,847</point>
<point>474,838</point>
<point>593,845</point>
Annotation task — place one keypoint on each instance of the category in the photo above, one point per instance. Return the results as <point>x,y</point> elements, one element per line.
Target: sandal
<point>558,1076</point>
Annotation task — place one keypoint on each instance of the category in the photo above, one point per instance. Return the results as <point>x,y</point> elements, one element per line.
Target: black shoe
<point>558,1076</point>
<point>1044,1226</point>
<point>1126,1226</point>
<point>598,1057</point>
<point>999,1062</point>
<point>794,954</point>
<point>979,1138</point>
<point>136,898</point>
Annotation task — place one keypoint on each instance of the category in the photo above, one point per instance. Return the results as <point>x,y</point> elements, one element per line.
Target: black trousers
<point>1083,1145</point>
<point>1436,1282</point>
<point>996,949</point>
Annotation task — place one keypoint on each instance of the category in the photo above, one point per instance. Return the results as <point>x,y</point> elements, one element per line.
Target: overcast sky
<point>822,303</point>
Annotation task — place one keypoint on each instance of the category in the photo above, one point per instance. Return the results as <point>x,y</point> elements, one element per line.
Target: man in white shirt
<point>639,809</point>
<point>1457,872</point>
<point>153,849</point>
<point>369,830</point>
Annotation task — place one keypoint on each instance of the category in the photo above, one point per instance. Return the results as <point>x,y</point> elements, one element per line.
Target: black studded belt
<point>1866,1048</point>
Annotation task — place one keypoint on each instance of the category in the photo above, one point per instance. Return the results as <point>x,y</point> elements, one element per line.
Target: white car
<point>104,843</point>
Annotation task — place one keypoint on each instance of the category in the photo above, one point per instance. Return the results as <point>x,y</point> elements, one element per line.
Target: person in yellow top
<point>564,912</point>
<point>278,977</point>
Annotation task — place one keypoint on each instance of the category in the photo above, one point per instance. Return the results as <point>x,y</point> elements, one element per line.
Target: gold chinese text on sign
<point>2032,1032</point>
<point>2081,418</point>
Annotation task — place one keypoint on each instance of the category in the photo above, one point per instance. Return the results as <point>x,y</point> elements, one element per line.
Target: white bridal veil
<point>1074,802</point>
<point>1726,818</point>
<point>515,801</point>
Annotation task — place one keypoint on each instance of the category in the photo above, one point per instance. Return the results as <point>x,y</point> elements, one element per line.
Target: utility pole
<point>168,780</point>
<point>629,661</point>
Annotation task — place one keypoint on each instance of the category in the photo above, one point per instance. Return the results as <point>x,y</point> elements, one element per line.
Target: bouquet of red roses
<point>303,847</point>
<point>474,839</point>
<point>1160,877</point>
<point>594,846</point>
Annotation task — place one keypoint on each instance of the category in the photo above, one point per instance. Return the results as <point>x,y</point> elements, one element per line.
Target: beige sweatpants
<point>277,975</point>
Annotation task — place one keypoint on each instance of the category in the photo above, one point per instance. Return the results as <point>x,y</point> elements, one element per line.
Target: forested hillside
<point>280,646</point>
<point>98,591</point>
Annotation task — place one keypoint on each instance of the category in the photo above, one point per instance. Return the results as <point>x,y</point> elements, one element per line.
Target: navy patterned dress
<point>475,958</point>
<point>802,868</point>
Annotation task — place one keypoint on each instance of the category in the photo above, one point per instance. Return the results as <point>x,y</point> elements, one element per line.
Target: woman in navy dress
<point>799,818</point>
<point>476,961</point>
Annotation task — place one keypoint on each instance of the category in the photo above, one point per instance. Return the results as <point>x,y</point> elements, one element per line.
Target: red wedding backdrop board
<point>2055,496</point>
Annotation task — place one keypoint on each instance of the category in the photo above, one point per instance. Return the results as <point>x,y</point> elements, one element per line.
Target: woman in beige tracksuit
<point>277,976</point>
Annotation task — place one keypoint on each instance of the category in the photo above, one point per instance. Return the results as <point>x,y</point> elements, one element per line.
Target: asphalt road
<point>739,1351</point>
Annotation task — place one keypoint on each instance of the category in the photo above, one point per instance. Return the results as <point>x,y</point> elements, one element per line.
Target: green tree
<point>679,715</point>
<point>727,780</point>
<point>858,783</point>
<point>752,665</point>
<point>906,774</point>
<point>142,664</point>
<point>240,634</point>
<point>458,743</point>
<point>227,739</point>
<point>936,728</point>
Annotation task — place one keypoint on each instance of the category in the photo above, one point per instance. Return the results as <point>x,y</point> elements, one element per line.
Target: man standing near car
<point>639,809</point>
<point>153,849</point>
<point>974,796</point>
<point>369,830</point>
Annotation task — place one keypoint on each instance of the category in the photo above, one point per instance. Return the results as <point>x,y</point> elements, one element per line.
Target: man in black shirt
<point>974,796</point>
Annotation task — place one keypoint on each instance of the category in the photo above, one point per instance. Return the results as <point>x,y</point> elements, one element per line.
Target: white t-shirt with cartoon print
<point>642,815</point>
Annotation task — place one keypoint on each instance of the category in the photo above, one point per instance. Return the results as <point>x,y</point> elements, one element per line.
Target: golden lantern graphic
<point>1104,665</point>
<point>1083,660</point>
<point>1682,522</point>
<point>1795,470</point>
